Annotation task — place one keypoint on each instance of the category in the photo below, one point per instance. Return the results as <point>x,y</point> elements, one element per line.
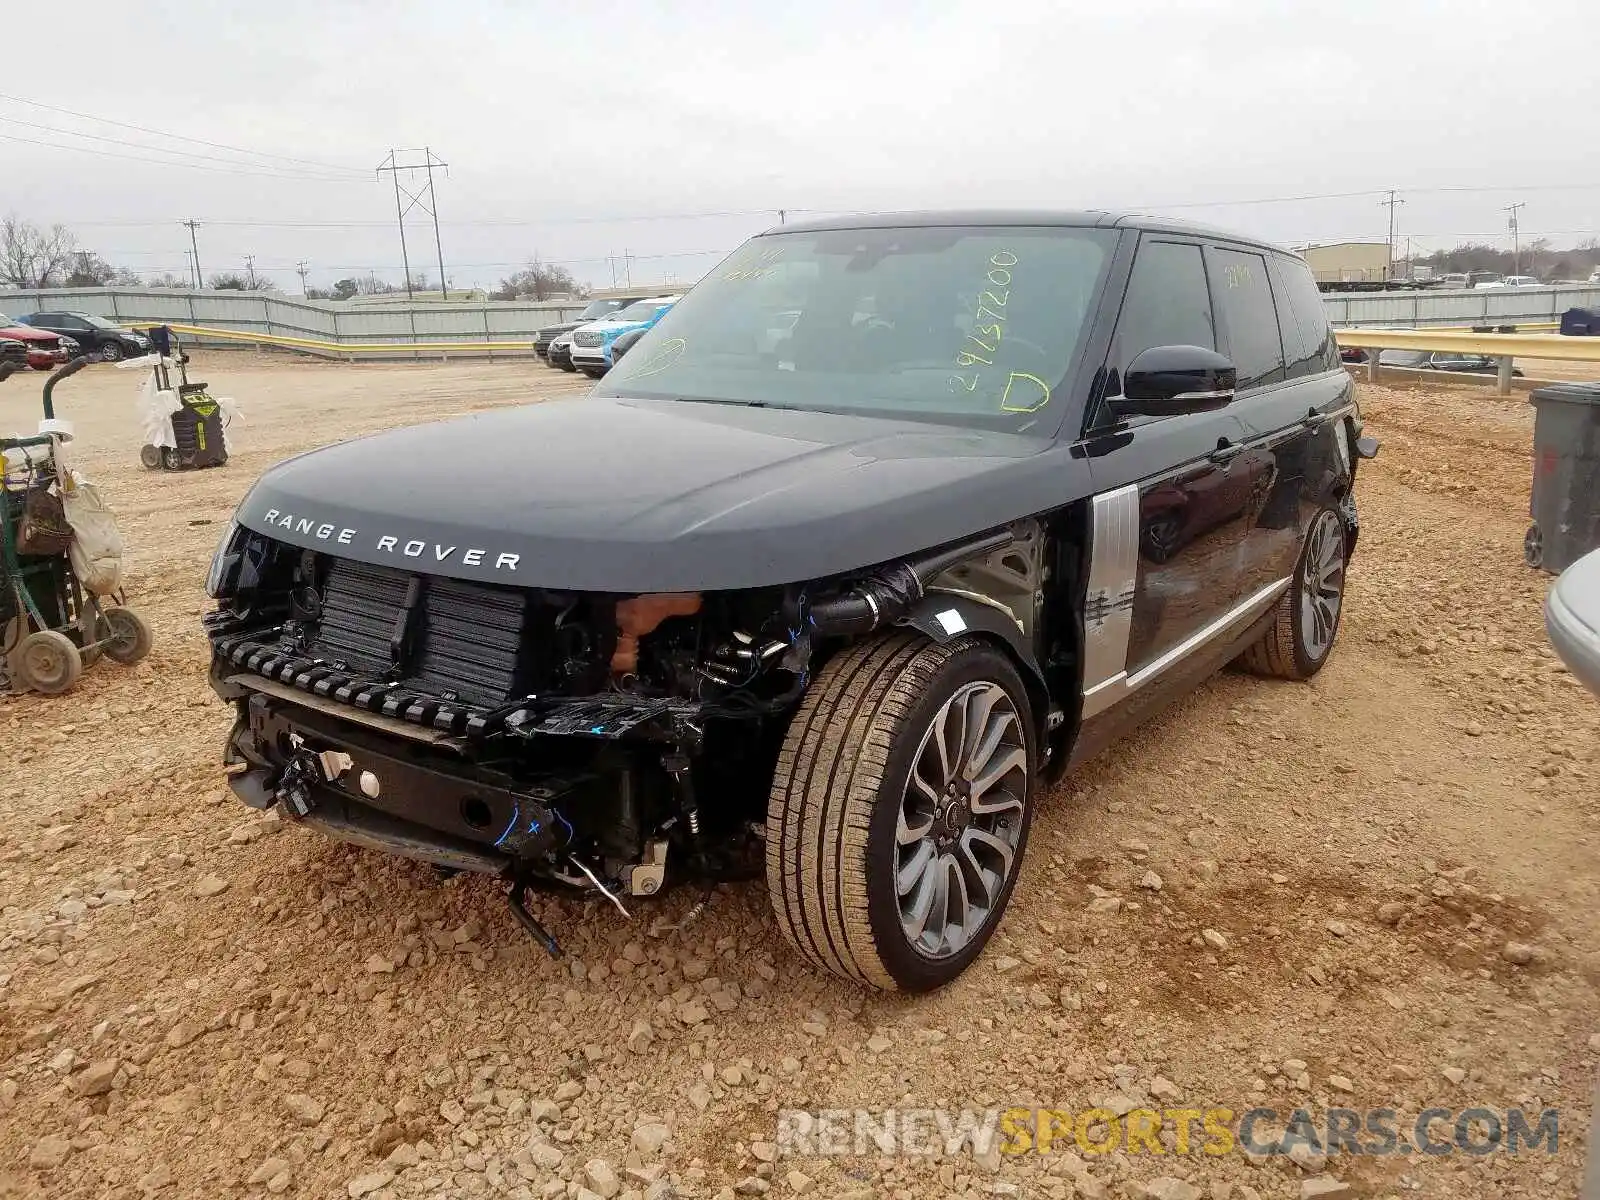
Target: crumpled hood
<point>622,495</point>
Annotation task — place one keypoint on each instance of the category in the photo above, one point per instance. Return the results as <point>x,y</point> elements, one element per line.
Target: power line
<point>185,154</point>
<point>165,162</point>
<point>354,171</point>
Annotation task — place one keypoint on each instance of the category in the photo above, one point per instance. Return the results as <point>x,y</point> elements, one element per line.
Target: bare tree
<point>538,280</point>
<point>88,269</point>
<point>168,280</point>
<point>32,256</point>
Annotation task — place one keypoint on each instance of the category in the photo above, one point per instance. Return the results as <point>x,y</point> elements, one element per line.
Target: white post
<point>1505,374</point>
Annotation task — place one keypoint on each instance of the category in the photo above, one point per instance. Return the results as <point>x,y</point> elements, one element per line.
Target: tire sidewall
<point>1305,662</point>
<point>911,971</point>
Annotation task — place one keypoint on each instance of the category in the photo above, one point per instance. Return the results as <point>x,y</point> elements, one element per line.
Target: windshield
<point>976,325</point>
<point>598,309</point>
<point>641,310</point>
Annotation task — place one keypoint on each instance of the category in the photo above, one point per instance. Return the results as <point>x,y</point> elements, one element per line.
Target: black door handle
<point>1226,451</point>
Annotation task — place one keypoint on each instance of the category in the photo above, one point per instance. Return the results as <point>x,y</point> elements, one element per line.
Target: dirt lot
<point>1400,859</point>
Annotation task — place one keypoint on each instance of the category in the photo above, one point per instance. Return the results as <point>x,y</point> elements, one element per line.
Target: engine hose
<point>888,594</point>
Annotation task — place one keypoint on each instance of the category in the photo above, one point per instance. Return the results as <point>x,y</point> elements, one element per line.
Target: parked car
<point>834,608</point>
<point>13,356</point>
<point>1521,281</point>
<point>1594,277</point>
<point>1456,279</point>
<point>593,311</point>
<point>560,351</point>
<point>1442,360</point>
<point>624,342</point>
<point>591,344</point>
<point>46,350</point>
<point>1485,279</point>
<point>104,339</point>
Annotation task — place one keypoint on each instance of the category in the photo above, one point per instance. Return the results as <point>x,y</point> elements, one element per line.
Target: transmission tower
<point>423,198</point>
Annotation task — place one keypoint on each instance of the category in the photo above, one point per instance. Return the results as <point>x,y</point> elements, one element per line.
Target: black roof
<point>1016,216</point>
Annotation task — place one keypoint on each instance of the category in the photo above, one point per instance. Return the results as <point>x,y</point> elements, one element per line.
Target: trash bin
<point>1565,505</point>
<point>1572,619</point>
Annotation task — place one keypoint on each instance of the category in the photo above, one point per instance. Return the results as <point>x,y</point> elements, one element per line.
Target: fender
<point>943,617</point>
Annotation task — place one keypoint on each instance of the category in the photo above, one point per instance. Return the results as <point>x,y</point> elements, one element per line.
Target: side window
<point>1244,293</point>
<point>1313,351</point>
<point>1168,303</point>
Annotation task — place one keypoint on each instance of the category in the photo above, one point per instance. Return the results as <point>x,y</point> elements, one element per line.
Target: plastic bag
<point>96,550</point>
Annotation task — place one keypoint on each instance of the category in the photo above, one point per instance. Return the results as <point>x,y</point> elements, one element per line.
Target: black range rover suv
<point>888,522</point>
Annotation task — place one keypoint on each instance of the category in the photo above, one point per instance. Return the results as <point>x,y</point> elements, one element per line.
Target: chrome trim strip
<point>1103,695</point>
<point>1113,574</point>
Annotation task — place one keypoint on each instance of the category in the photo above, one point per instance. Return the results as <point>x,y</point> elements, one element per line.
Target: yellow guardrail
<point>322,346</point>
<point>1504,346</point>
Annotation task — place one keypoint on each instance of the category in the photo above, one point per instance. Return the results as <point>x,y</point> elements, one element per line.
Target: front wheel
<point>900,809</point>
<point>1297,644</point>
<point>111,352</point>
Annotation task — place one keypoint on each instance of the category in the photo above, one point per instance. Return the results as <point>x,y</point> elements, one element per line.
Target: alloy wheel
<point>961,819</point>
<point>1322,583</point>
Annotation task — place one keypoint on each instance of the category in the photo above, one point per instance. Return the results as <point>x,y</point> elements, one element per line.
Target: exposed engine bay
<point>561,740</point>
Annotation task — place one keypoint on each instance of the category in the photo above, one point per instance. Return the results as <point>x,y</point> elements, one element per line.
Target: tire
<point>47,662</point>
<point>843,792</point>
<point>1533,546</point>
<point>110,352</point>
<point>129,633</point>
<point>566,365</point>
<point>1306,622</point>
<point>150,457</point>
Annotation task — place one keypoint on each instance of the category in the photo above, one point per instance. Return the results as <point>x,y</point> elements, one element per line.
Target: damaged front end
<point>607,743</point>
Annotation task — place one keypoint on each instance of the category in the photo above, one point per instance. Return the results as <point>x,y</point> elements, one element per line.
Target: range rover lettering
<point>888,523</point>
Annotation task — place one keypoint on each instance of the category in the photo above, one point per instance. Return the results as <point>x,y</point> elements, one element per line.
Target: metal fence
<point>335,321</point>
<point>493,321</point>
<point>1475,306</point>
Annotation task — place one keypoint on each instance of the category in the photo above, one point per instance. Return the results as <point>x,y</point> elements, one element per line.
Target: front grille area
<point>452,639</point>
<point>589,338</point>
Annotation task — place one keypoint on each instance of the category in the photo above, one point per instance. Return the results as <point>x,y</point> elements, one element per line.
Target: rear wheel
<point>150,457</point>
<point>47,662</point>
<point>129,634</point>
<point>900,809</point>
<point>1307,618</point>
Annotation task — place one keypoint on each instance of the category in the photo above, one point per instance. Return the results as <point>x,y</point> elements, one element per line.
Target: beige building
<point>1348,262</point>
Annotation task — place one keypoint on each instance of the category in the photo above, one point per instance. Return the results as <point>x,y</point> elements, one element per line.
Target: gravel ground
<point>1378,889</point>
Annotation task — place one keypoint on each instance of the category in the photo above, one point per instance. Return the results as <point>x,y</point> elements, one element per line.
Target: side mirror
<point>1165,381</point>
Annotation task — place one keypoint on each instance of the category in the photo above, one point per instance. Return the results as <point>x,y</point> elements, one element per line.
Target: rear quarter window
<point>1308,342</point>
<point>1244,297</point>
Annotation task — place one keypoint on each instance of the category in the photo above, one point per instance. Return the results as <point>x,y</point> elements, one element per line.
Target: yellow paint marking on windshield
<point>1007,404</point>
<point>765,264</point>
<point>669,352</point>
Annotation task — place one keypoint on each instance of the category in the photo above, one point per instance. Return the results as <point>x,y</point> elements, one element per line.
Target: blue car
<point>591,344</point>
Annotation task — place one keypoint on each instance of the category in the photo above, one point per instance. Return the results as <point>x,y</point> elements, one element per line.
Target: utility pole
<point>627,268</point>
<point>250,269</point>
<point>302,269</point>
<point>1516,237</point>
<point>195,246</point>
<point>781,217</point>
<point>422,198</point>
<point>1390,204</point>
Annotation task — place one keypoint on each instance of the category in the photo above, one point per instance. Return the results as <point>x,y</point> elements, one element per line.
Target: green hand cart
<point>51,627</point>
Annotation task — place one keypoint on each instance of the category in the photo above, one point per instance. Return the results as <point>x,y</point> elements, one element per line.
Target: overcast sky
<point>586,129</point>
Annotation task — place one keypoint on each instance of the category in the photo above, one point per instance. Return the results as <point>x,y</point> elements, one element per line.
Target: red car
<point>45,350</point>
